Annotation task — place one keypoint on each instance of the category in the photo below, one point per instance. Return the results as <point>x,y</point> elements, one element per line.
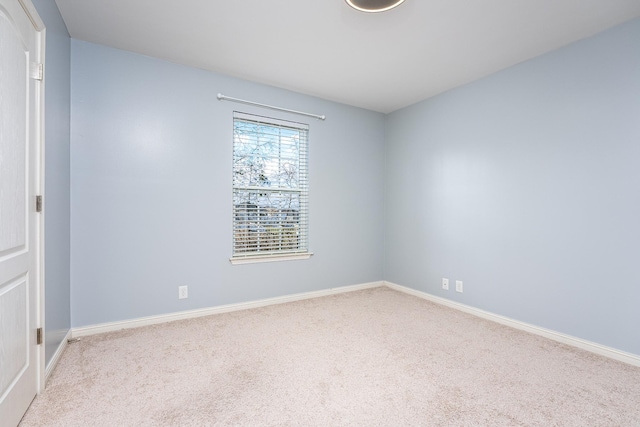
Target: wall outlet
<point>459,286</point>
<point>183,292</point>
<point>445,283</point>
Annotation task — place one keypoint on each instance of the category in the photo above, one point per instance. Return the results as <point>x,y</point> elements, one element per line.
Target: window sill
<point>269,258</point>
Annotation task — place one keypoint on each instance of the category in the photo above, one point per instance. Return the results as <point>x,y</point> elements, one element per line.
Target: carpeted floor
<point>369,358</point>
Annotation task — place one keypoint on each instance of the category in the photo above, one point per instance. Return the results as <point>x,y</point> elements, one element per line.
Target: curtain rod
<point>222,97</point>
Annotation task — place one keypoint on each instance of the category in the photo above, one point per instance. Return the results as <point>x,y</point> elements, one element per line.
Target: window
<point>270,189</point>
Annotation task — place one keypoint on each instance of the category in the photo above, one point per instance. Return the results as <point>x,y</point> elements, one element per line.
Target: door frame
<point>38,176</point>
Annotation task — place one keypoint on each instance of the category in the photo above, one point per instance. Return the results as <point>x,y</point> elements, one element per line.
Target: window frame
<point>301,189</point>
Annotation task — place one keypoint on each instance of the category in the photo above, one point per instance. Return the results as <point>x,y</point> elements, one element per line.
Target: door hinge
<point>39,336</point>
<point>38,203</point>
<point>36,70</point>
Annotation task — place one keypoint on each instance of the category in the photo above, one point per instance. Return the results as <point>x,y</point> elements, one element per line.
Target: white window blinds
<point>270,187</point>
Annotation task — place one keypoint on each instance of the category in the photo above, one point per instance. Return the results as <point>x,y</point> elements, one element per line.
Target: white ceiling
<point>324,48</point>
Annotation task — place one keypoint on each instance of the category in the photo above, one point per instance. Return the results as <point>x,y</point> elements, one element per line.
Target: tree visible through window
<point>270,186</point>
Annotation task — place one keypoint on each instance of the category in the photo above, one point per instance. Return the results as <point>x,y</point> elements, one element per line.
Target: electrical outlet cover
<point>183,292</point>
<point>445,283</point>
<point>459,286</point>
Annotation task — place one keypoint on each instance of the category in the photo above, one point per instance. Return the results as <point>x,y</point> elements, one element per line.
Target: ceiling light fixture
<point>374,5</point>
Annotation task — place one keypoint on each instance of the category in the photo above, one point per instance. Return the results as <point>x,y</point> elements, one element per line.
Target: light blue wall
<point>526,186</point>
<point>522,184</point>
<point>151,190</point>
<point>57,175</point>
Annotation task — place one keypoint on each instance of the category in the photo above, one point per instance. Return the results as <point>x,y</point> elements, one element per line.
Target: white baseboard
<point>190,314</point>
<point>56,357</point>
<point>599,349</point>
<point>602,350</point>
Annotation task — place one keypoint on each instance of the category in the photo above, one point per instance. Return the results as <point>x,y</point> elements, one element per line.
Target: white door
<point>20,124</point>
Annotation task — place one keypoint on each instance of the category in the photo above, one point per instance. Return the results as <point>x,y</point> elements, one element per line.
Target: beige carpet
<point>369,358</point>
